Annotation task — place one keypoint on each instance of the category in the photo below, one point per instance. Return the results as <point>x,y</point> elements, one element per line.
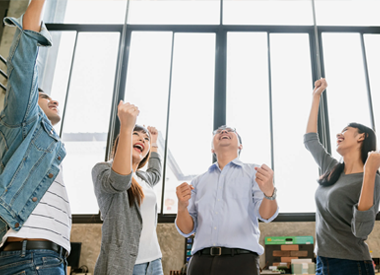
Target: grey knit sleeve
<point>153,173</point>
<point>321,157</point>
<point>108,181</point>
<point>363,221</point>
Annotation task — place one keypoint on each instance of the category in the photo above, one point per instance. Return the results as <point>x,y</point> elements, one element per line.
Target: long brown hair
<point>135,192</point>
<point>368,145</point>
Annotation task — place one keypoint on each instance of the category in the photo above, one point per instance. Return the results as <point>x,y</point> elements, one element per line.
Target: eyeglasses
<point>221,129</point>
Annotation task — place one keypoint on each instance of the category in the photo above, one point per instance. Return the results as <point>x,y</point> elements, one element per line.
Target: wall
<point>173,245</point>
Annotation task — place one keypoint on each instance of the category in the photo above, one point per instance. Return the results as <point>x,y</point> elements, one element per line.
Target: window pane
<point>148,84</point>
<point>347,96</point>
<point>248,94</point>
<point>267,12</point>
<point>372,44</point>
<point>85,11</point>
<point>191,112</point>
<point>54,67</point>
<point>347,12</point>
<point>295,169</point>
<point>87,115</point>
<point>174,12</point>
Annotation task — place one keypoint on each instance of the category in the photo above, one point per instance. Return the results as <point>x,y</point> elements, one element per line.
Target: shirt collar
<point>215,165</point>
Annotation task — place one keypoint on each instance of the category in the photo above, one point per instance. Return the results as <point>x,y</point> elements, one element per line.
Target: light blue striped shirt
<point>225,208</point>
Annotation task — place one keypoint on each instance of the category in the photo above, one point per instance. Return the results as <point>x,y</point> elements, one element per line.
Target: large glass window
<point>257,81</point>
<point>182,12</point>
<point>347,96</point>
<point>372,44</point>
<point>191,112</point>
<point>85,11</point>
<point>294,167</point>
<point>248,107</point>
<point>267,12</point>
<point>347,12</point>
<point>148,84</point>
<point>87,115</point>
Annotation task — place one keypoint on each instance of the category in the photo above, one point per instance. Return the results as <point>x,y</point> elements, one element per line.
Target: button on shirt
<point>225,207</point>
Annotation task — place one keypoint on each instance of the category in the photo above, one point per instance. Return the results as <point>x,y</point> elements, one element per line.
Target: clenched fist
<point>319,86</point>
<point>127,114</point>
<point>183,192</point>
<point>373,162</point>
<point>153,134</point>
<point>264,178</point>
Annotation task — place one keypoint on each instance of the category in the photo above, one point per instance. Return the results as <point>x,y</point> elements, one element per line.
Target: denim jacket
<point>30,150</point>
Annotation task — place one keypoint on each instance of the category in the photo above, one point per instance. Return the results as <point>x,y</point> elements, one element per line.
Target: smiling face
<point>226,138</point>
<point>50,107</point>
<point>349,139</point>
<point>141,145</point>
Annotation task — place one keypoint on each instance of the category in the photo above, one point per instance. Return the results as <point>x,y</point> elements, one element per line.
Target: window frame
<point>220,78</point>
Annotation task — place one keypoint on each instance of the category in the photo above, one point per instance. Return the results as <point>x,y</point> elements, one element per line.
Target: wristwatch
<point>273,197</point>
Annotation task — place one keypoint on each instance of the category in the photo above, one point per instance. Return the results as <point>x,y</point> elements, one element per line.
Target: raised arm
<point>154,166</point>
<point>312,124</point>
<point>32,16</point>
<point>122,162</point>
<point>21,99</point>
<point>366,200</point>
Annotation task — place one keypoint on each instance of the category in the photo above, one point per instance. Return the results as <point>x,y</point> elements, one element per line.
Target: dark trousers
<point>242,264</point>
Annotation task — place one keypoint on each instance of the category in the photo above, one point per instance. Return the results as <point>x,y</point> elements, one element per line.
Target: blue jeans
<point>332,266</point>
<point>151,268</point>
<point>32,262</point>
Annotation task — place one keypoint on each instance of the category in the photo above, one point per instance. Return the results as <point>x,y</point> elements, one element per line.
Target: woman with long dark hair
<point>347,198</point>
<point>127,201</point>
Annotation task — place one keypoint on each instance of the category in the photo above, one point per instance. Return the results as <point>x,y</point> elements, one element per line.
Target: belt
<point>32,245</point>
<point>217,251</point>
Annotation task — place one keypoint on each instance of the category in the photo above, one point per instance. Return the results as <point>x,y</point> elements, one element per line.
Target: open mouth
<point>224,137</point>
<point>339,141</point>
<point>138,147</point>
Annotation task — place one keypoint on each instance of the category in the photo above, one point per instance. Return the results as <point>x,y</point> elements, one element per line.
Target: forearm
<point>268,208</point>
<point>367,192</point>
<point>184,221</point>
<point>32,17</point>
<point>312,124</point>
<point>122,163</point>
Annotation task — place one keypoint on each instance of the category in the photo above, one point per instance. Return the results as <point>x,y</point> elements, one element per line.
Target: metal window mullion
<point>220,87</point>
<point>167,124</point>
<point>68,85</point>
<point>270,101</point>
<point>117,86</point>
<point>368,85</point>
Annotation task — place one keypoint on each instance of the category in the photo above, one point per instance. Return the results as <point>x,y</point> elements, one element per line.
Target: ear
<point>361,137</point>
<point>240,146</point>
<point>213,151</point>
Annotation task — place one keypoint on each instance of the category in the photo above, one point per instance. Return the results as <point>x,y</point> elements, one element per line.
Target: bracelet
<point>154,145</point>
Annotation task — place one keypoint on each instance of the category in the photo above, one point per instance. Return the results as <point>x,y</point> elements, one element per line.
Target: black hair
<point>368,145</point>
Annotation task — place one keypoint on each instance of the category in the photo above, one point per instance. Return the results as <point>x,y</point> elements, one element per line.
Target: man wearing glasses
<point>222,206</point>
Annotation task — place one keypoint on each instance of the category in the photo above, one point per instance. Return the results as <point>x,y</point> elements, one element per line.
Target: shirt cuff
<point>191,233</point>
<point>43,37</point>
<point>271,218</point>
<point>364,216</point>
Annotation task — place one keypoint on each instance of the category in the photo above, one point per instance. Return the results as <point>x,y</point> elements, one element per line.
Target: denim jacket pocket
<point>43,141</point>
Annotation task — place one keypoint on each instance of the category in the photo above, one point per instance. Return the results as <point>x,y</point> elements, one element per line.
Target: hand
<point>319,86</point>
<point>183,192</point>
<point>153,134</point>
<point>373,161</point>
<point>264,178</point>
<point>127,114</point>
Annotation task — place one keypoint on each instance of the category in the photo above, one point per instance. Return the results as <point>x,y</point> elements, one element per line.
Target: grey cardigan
<point>122,224</point>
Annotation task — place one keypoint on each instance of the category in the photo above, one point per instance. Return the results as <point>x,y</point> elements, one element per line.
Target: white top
<point>149,249</point>
<point>51,219</point>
